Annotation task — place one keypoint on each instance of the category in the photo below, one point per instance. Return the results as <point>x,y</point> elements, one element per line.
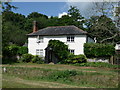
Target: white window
<point>40,39</point>
<point>70,38</point>
<point>72,51</point>
<point>39,52</point>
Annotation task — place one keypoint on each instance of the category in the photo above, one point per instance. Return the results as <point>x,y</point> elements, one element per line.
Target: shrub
<point>9,54</point>
<point>26,58</point>
<point>73,59</point>
<point>37,59</point>
<point>95,50</point>
<point>22,50</point>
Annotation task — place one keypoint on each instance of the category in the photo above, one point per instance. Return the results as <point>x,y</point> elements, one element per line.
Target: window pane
<point>70,38</point>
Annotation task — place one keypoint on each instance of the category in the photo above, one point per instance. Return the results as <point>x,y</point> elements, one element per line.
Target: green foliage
<point>26,58</point>
<point>37,59</point>
<point>64,75</point>
<point>103,28</point>
<point>9,54</point>
<point>10,50</point>
<point>74,59</point>
<point>36,15</point>
<point>22,50</point>
<point>93,50</point>
<point>59,49</point>
<point>74,13</point>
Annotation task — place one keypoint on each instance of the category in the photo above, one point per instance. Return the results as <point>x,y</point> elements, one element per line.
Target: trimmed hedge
<point>95,50</point>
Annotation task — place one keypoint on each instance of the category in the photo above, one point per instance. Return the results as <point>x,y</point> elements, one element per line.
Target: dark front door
<point>50,56</point>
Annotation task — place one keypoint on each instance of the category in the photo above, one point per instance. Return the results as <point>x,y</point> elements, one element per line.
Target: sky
<point>53,8</point>
<point>47,8</point>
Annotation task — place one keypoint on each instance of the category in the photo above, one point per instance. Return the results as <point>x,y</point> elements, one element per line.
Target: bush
<point>59,48</point>
<point>22,50</point>
<point>96,50</point>
<point>73,59</point>
<point>37,59</point>
<point>9,54</point>
<point>26,58</point>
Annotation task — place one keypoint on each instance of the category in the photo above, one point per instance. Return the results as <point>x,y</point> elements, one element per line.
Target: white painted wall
<point>77,45</point>
<point>117,47</point>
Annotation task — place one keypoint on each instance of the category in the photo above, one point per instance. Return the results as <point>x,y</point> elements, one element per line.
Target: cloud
<point>62,14</point>
<point>87,9</point>
<point>84,8</point>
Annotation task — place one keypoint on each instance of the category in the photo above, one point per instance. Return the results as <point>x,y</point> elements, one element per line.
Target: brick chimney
<point>35,28</point>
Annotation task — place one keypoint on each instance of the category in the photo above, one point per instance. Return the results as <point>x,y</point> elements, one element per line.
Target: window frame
<point>72,51</point>
<point>71,38</point>
<point>39,52</point>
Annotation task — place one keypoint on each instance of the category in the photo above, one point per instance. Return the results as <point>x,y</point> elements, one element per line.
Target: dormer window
<point>40,39</point>
<point>70,38</point>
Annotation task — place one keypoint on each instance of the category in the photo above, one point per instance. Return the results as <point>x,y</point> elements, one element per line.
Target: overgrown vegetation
<point>74,59</point>
<point>67,75</point>
<point>10,53</point>
<point>59,48</point>
<point>93,50</point>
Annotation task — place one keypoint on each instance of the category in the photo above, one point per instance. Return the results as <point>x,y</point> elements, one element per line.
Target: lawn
<point>27,75</point>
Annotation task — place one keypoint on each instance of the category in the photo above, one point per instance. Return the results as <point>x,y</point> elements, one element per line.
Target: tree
<point>103,29</point>
<point>74,13</point>
<point>103,8</point>
<point>36,15</point>
<point>12,27</point>
<point>7,7</point>
<point>117,16</point>
<point>74,17</point>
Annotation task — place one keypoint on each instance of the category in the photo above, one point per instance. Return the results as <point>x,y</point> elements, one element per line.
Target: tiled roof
<point>58,30</point>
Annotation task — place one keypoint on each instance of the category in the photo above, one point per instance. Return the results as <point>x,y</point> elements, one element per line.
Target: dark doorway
<point>50,56</point>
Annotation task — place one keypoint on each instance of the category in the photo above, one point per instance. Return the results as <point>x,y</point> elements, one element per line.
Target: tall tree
<point>12,27</point>
<point>103,29</point>
<point>75,13</point>
<point>36,15</point>
<point>6,6</point>
<point>77,18</point>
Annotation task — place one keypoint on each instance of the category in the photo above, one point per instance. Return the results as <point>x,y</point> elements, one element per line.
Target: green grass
<point>98,64</point>
<point>58,76</point>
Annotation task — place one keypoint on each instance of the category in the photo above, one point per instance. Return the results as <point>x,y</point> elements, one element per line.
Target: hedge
<point>95,50</point>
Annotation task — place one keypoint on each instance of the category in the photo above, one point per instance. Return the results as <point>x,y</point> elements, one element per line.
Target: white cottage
<point>70,35</point>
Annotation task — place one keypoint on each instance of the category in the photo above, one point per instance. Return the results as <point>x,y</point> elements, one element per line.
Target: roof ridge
<point>60,26</point>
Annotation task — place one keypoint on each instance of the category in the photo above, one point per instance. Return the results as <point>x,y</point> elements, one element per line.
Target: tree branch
<point>108,38</point>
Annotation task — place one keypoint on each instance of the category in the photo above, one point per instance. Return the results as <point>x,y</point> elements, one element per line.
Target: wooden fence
<point>116,58</point>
